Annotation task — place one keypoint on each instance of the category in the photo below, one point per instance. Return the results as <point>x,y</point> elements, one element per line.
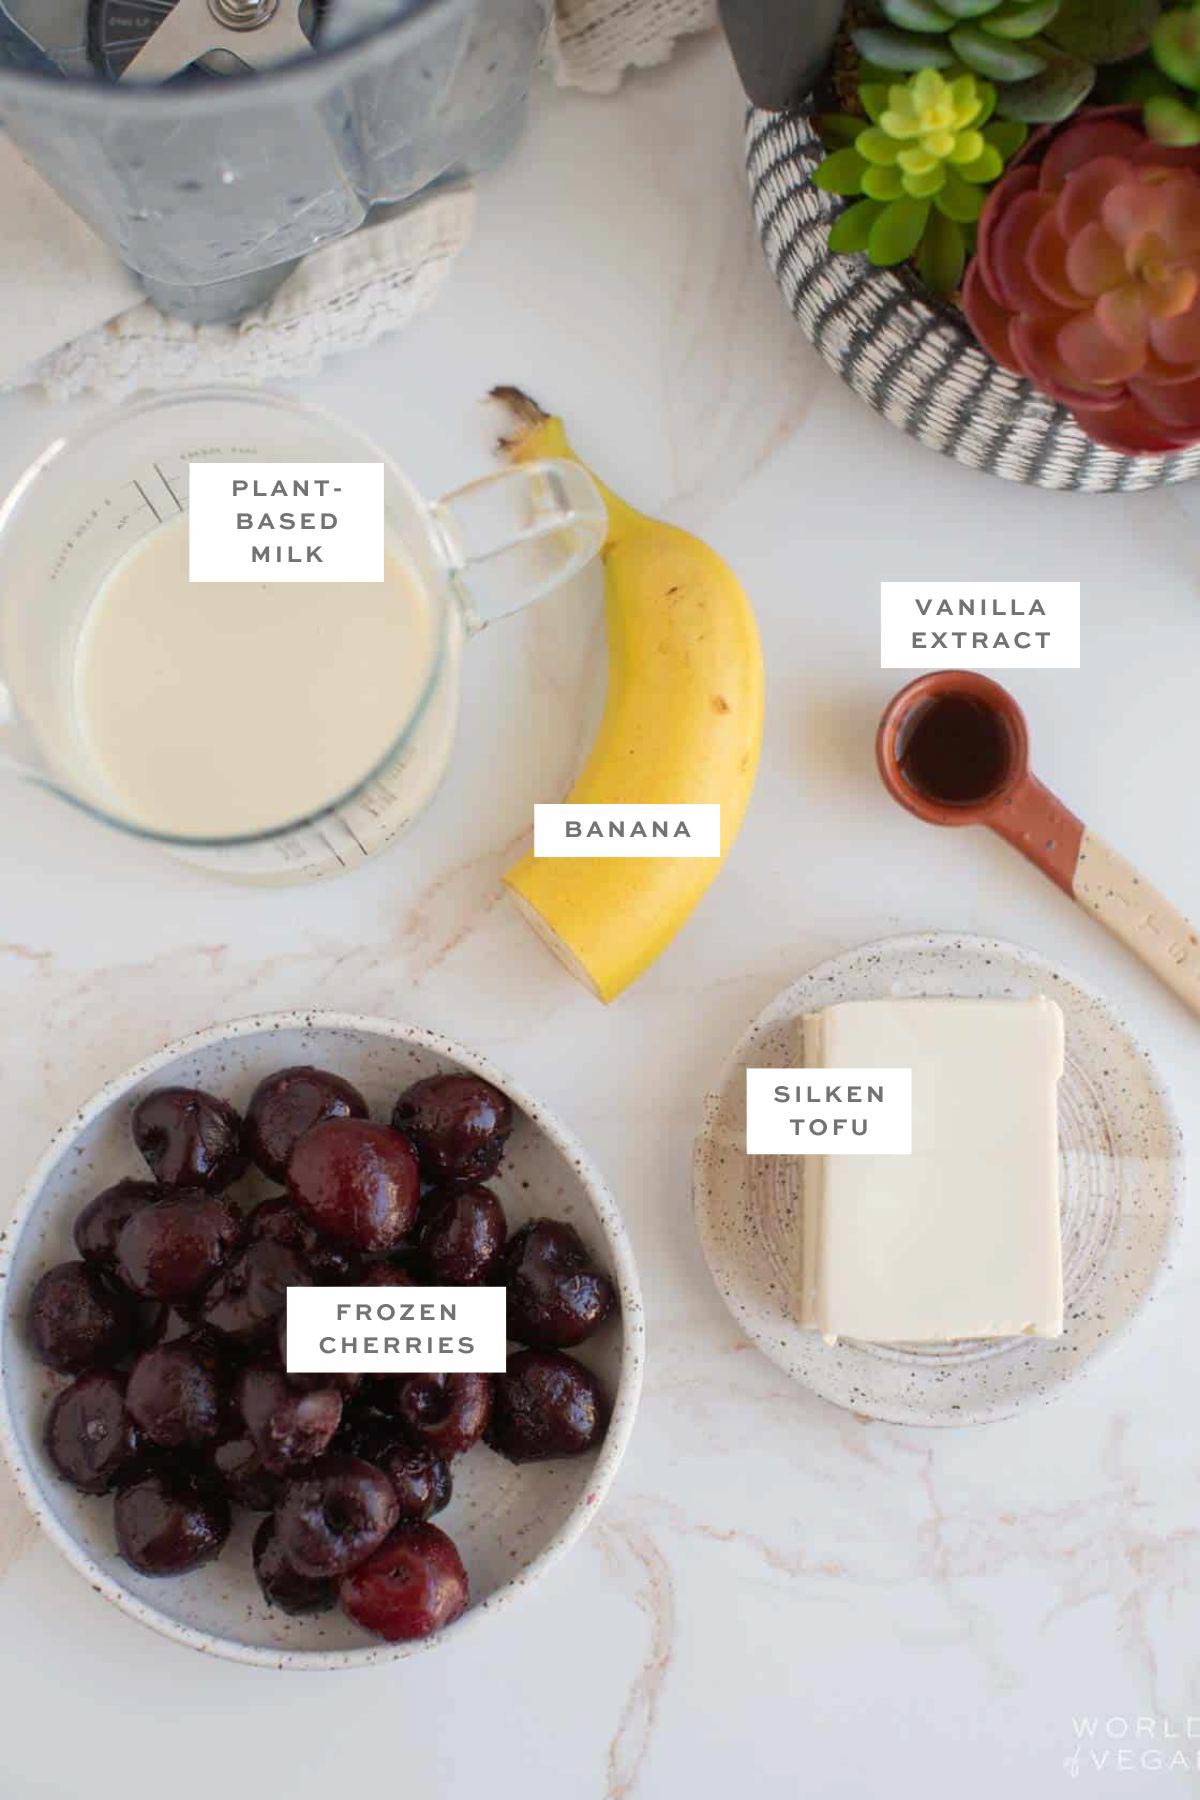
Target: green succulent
<point>921,161</point>
<point>1040,54</point>
<point>1175,45</point>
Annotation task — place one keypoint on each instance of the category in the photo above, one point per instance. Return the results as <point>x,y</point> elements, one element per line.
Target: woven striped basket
<point>910,357</point>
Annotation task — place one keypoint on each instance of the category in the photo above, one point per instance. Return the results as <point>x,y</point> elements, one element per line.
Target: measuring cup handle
<point>13,760</point>
<point>1035,822</point>
<point>511,537</point>
<point>1134,911</point>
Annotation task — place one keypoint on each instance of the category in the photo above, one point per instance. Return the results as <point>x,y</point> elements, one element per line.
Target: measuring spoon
<point>953,748</point>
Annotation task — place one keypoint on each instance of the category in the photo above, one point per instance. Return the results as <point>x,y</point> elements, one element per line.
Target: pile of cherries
<point>173,1327</point>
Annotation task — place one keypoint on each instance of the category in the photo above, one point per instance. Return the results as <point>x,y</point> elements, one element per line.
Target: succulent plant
<point>972,32</point>
<point>920,160</point>
<point>1040,54</point>
<point>1172,117</point>
<point>1087,280</point>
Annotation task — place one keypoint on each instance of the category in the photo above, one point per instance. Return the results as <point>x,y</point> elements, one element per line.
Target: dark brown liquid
<point>954,749</point>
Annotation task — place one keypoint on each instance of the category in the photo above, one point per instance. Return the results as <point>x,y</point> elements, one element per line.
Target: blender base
<point>216,302</point>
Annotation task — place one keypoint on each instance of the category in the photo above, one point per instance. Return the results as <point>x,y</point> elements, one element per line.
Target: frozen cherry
<point>463,1236</point>
<point>288,1104</point>
<point>459,1123</point>
<point>90,1437</point>
<point>419,1475</point>
<point>556,1295</point>
<point>366,1428</point>
<point>176,1394</point>
<point>288,1425</point>
<point>282,1585</point>
<point>76,1321</point>
<point>278,1221</point>
<point>386,1274</point>
<point>446,1413</point>
<point>249,1295</point>
<point>332,1516</point>
<point>546,1405</point>
<point>150,1321</point>
<point>171,1250</point>
<point>240,1470</point>
<point>346,1381</point>
<point>100,1223</point>
<point>169,1521</point>
<point>357,1182</point>
<point>412,1586</point>
<point>190,1138</point>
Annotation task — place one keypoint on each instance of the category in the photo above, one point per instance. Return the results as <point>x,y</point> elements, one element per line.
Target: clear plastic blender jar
<point>211,185</point>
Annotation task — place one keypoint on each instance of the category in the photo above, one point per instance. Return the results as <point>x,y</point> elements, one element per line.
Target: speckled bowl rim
<point>924,940</point>
<point>625,1400</point>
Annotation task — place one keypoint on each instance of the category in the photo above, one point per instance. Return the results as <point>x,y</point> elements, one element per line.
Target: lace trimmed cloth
<point>594,42</point>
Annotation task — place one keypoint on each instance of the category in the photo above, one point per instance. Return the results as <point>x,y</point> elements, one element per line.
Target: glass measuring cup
<point>479,553</point>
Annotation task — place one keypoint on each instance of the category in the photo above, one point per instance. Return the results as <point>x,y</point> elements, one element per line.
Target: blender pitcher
<point>88,502</point>
<point>212,177</point>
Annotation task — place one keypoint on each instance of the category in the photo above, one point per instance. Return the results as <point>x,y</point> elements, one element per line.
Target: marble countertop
<point>777,1598</point>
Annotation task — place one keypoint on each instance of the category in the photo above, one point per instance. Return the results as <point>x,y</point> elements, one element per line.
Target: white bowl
<point>510,1523</point>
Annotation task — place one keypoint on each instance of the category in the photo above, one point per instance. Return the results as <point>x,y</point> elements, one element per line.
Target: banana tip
<point>524,412</point>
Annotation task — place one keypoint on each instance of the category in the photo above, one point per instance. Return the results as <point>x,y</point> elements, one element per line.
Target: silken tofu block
<point>961,1239</point>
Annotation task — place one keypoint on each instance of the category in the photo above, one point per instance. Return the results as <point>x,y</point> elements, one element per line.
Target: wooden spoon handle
<point>1111,889</point>
<point>1036,823</point>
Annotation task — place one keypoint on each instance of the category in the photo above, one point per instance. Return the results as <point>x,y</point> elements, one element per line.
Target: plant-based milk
<point>224,709</point>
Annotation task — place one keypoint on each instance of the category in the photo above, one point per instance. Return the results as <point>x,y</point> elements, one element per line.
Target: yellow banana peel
<point>682,723</point>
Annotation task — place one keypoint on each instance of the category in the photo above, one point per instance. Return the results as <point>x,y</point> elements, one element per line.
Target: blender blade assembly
<point>156,40</point>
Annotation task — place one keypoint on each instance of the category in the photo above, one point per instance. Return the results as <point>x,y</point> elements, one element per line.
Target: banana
<point>682,722</point>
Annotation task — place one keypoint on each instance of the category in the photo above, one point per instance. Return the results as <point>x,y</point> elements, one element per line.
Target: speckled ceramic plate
<point>510,1524</point>
<point>1121,1184</point>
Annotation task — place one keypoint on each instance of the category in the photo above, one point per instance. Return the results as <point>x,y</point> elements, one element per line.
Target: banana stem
<point>535,433</point>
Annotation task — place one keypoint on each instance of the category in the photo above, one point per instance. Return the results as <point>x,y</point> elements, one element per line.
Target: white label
<point>979,625</point>
<point>264,521</point>
<point>396,1330</point>
<point>693,830</point>
<point>829,1112</point>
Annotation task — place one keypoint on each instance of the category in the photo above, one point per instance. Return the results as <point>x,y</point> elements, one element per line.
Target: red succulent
<point>1087,279</point>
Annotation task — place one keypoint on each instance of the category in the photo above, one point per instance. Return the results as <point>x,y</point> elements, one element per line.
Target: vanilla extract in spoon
<point>954,748</point>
